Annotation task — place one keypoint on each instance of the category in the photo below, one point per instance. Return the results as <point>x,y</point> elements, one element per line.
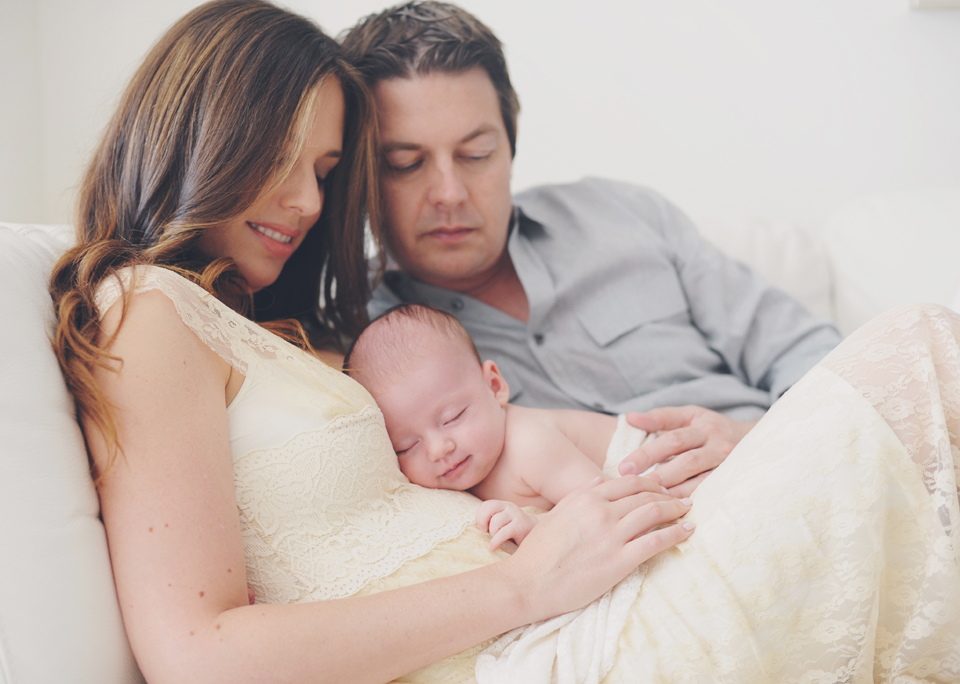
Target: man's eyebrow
<point>397,146</point>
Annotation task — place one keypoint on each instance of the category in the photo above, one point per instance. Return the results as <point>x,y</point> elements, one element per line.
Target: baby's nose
<point>440,448</point>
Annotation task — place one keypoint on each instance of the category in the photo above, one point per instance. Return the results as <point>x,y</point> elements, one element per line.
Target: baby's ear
<point>496,383</point>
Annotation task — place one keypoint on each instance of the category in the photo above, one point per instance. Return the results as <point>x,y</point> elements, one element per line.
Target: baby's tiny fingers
<point>487,510</point>
<point>500,520</point>
<point>502,535</point>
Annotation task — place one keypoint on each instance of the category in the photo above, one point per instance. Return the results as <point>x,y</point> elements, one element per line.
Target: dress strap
<point>238,340</point>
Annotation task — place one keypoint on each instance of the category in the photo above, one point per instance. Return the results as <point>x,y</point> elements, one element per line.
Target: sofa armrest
<point>59,619</point>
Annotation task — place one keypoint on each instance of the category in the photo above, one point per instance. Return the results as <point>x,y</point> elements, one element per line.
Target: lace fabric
<point>324,508</point>
<point>827,548</point>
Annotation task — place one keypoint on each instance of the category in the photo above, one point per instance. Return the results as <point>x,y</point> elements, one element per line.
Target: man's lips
<point>449,234</point>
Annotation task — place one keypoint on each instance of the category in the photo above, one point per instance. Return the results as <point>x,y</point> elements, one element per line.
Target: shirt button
<point>538,338</point>
<point>457,304</point>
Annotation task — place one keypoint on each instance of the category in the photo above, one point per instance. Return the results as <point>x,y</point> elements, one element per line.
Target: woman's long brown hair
<point>214,118</point>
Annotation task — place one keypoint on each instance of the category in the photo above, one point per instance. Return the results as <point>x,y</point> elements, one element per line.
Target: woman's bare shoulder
<point>148,337</point>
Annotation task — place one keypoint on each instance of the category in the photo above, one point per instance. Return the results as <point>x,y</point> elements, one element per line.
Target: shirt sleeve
<point>766,337</point>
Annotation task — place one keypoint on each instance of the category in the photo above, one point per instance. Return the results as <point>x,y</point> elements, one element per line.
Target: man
<point>596,295</point>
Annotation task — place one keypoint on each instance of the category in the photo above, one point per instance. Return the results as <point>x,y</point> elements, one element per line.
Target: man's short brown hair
<point>423,37</point>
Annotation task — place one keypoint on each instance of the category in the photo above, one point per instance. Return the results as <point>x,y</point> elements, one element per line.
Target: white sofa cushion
<point>889,250</point>
<point>59,619</point>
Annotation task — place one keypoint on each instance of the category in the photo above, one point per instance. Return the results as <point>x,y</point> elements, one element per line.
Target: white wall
<point>20,166</point>
<point>783,109</point>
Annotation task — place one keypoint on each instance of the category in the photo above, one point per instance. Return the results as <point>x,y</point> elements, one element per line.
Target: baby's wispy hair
<point>390,346</point>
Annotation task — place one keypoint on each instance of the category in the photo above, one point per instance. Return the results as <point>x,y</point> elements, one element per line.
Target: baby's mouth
<point>456,470</point>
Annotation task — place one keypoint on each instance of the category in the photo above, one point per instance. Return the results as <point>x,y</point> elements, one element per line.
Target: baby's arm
<point>551,464</point>
<point>504,520</point>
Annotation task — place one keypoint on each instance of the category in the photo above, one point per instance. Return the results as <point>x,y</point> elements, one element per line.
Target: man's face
<point>446,184</point>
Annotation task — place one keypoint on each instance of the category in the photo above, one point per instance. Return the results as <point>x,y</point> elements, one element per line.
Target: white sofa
<point>59,619</point>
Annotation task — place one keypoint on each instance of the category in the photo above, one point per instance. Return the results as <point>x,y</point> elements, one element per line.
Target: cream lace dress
<point>827,546</point>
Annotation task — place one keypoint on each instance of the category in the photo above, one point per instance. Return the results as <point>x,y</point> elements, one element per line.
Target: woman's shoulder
<point>141,299</point>
<point>144,278</point>
<point>157,300</point>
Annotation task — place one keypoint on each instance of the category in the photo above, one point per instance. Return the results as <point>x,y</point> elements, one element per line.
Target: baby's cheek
<point>410,472</point>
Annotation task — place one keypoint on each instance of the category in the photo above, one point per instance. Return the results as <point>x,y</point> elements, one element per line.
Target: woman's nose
<point>301,191</point>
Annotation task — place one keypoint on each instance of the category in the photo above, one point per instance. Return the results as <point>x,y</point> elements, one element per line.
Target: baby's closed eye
<point>457,417</point>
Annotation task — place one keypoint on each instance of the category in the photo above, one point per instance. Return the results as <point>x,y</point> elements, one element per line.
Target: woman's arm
<point>174,534</point>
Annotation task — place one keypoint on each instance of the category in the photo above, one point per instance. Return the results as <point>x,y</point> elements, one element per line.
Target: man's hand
<point>696,439</point>
<point>504,520</point>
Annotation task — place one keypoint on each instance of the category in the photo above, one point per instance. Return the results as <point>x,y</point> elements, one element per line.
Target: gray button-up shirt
<point>630,310</point>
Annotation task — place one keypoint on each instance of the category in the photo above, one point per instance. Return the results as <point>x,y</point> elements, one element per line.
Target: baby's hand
<point>504,520</point>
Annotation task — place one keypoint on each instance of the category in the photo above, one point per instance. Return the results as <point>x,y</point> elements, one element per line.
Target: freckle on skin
<point>218,626</point>
<point>229,570</point>
<point>151,529</point>
<point>201,594</point>
<point>191,632</point>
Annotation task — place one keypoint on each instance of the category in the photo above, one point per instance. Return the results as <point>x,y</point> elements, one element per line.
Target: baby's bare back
<point>589,432</point>
<point>546,454</point>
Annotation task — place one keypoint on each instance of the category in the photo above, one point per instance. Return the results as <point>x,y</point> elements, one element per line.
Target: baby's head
<point>445,410</point>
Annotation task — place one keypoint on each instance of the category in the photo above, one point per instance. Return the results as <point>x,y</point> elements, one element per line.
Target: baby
<point>449,421</point>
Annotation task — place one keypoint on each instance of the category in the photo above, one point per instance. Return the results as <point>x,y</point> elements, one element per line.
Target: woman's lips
<point>278,240</point>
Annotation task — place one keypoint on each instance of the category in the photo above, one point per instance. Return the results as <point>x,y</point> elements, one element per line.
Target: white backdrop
<point>730,107</point>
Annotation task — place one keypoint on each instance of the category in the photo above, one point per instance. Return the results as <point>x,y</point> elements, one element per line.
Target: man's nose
<point>446,187</point>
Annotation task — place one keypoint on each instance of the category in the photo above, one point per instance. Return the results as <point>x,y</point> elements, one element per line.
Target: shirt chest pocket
<point>640,327</point>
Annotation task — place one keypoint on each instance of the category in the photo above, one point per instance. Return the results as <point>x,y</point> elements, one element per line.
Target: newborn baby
<point>452,427</point>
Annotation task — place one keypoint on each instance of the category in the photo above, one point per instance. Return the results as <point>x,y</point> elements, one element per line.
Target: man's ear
<point>496,383</point>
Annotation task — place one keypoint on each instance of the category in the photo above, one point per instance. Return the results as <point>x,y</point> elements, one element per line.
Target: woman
<point>240,160</point>
<point>193,413</point>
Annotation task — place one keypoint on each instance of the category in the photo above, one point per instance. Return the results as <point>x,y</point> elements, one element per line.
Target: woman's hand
<point>593,538</point>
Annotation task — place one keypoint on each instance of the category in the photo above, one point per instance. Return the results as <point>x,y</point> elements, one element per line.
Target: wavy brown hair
<point>214,119</point>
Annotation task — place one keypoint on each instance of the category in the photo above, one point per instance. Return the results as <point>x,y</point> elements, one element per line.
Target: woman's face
<point>269,232</point>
